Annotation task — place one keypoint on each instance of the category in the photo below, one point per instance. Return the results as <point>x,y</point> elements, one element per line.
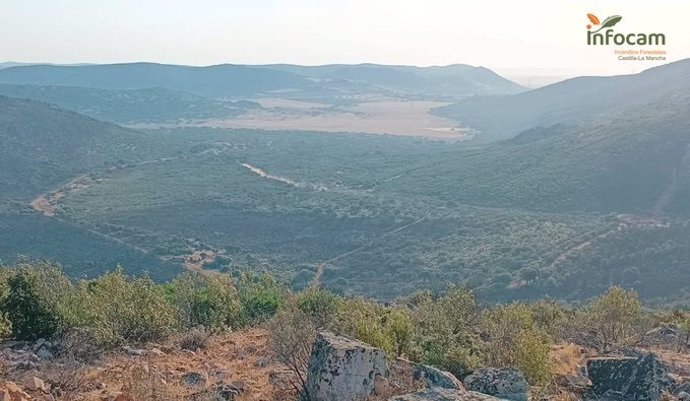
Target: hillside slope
<point>226,80</point>
<point>571,101</point>
<point>43,146</point>
<point>452,80</point>
<point>635,161</point>
<point>128,106</point>
<point>215,81</point>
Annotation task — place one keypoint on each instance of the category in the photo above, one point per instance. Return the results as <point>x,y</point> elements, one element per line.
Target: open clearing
<point>405,118</point>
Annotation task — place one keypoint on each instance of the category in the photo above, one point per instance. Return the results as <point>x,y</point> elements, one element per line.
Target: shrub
<point>612,320</point>
<point>446,330</point>
<point>390,329</point>
<point>260,296</point>
<point>319,304</point>
<point>31,303</point>
<point>549,316</point>
<point>208,300</point>
<point>194,339</point>
<point>514,340</point>
<point>399,326</point>
<point>115,309</point>
<point>292,337</point>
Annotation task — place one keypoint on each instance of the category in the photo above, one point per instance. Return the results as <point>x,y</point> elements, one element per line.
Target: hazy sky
<point>507,35</point>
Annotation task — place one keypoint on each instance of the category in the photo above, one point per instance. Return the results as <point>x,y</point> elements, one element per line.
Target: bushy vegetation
<point>448,329</point>
<point>409,214</point>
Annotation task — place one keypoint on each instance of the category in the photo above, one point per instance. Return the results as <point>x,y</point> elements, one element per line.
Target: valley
<point>279,188</point>
<point>404,118</point>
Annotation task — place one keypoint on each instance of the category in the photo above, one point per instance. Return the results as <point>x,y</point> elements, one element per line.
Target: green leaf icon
<point>610,22</point>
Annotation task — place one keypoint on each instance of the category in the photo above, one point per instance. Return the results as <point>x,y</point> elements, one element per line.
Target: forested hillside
<point>573,101</point>
<point>563,210</point>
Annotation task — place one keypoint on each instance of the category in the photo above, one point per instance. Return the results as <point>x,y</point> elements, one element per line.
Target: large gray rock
<point>444,394</point>
<point>641,379</point>
<point>436,377</point>
<point>509,384</point>
<point>341,368</point>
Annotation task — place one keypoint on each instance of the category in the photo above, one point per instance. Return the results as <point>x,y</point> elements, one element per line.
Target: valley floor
<point>403,118</point>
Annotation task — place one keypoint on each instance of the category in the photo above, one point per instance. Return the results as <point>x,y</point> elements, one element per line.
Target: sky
<point>531,37</point>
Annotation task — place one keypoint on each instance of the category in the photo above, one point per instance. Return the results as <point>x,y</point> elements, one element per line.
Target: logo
<point>602,34</point>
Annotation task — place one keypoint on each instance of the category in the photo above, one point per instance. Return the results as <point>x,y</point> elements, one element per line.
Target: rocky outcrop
<point>509,384</point>
<point>341,368</point>
<point>436,378</point>
<point>444,394</point>
<point>642,379</point>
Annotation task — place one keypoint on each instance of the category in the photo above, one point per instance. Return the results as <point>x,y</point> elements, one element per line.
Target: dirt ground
<point>241,360</point>
<point>404,118</point>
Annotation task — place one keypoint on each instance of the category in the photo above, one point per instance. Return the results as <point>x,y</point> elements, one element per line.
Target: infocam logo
<point>602,34</point>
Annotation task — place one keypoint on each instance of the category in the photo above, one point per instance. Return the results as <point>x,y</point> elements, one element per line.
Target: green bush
<point>514,340</point>
<point>399,327</point>
<point>364,320</point>
<point>208,300</point>
<point>446,330</point>
<point>319,304</point>
<point>5,324</point>
<point>31,300</point>
<point>260,296</point>
<point>613,320</point>
<point>115,309</point>
<point>549,316</point>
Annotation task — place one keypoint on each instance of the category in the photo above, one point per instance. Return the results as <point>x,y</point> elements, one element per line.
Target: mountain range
<point>288,80</point>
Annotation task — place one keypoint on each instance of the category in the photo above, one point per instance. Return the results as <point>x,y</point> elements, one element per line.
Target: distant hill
<point>43,146</point>
<point>636,159</point>
<point>12,64</point>
<point>331,81</point>
<point>571,101</point>
<point>215,81</point>
<point>133,105</point>
<point>452,80</point>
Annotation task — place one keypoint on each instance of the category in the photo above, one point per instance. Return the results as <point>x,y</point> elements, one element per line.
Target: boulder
<point>444,394</point>
<point>342,368</point>
<point>436,377</point>
<point>193,379</point>
<point>229,392</point>
<point>36,384</point>
<point>509,384</point>
<point>642,379</point>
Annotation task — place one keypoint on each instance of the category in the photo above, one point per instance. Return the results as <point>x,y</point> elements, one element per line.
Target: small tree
<point>681,319</point>
<point>513,339</point>
<point>31,304</point>
<point>208,300</point>
<point>260,296</point>
<point>321,305</point>
<point>446,332</point>
<point>116,309</point>
<point>292,337</point>
<point>610,321</point>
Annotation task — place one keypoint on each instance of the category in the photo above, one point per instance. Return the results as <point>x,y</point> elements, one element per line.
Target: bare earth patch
<point>404,118</point>
<point>47,203</point>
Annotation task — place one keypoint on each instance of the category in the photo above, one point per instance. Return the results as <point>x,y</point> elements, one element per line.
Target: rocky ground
<point>240,366</point>
<point>231,366</point>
